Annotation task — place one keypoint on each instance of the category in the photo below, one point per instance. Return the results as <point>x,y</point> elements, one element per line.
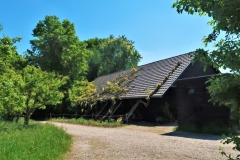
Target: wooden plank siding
<point>194,107</point>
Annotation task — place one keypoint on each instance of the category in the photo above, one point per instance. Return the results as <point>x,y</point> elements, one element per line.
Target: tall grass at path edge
<point>33,142</point>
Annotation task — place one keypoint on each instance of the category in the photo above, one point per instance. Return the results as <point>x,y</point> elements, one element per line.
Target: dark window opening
<point>190,90</point>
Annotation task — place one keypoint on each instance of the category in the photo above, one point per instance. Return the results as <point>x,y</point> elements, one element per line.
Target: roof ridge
<point>167,58</point>
<point>145,64</point>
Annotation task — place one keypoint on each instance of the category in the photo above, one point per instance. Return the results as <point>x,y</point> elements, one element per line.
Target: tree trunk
<point>17,118</point>
<point>26,119</point>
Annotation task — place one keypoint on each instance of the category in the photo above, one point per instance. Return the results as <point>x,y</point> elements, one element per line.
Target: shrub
<point>189,127</point>
<point>161,120</point>
<point>212,128</point>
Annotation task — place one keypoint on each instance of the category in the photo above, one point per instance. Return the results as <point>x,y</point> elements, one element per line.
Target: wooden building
<point>177,89</point>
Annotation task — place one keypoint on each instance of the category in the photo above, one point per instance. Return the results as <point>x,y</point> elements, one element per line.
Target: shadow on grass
<point>152,124</point>
<point>193,135</point>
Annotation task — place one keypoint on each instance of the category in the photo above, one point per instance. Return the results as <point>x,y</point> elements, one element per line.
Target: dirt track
<point>140,142</point>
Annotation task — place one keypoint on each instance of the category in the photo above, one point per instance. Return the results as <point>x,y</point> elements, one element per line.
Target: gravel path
<point>134,142</point>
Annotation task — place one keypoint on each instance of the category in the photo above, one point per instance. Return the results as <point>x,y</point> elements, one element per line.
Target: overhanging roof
<point>149,75</point>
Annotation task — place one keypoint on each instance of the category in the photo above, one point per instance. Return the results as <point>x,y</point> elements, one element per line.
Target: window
<point>190,90</point>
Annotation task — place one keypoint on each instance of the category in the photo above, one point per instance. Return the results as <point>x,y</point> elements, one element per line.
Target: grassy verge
<point>89,122</point>
<point>207,129</point>
<point>36,141</point>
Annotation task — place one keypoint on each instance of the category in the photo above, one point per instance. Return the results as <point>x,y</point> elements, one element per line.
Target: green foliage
<point>28,90</point>
<point>87,94</point>
<point>214,128</point>
<point>175,128</point>
<point>90,122</point>
<point>225,90</point>
<point>225,19</point>
<point>9,57</point>
<point>189,127</point>
<point>57,48</point>
<point>11,99</point>
<point>111,55</point>
<point>161,120</point>
<point>40,88</point>
<point>235,140</point>
<point>10,80</point>
<point>82,93</point>
<point>36,141</point>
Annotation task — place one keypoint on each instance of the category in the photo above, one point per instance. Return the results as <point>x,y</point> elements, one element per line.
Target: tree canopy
<point>111,55</point>
<point>10,80</point>
<point>225,16</point>
<point>57,48</point>
<point>24,88</point>
<point>56,68</point>
<point>224,89</point>
<point>40,88</point>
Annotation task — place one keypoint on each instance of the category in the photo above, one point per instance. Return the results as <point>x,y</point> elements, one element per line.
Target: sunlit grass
<point>32,142</point>
<point>89,122</point>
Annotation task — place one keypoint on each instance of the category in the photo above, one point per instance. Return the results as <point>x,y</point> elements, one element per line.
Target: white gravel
<point>134,143</point>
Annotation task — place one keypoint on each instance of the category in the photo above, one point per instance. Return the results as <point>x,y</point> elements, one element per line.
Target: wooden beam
<point>131,111</point>
<point>109,111</point>
<point>134,108</point>
<point>88,110</point>
<point>101,110</point>
<point>115,109</point>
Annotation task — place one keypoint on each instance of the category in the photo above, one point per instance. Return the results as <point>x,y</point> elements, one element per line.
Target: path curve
<point>137,143</point>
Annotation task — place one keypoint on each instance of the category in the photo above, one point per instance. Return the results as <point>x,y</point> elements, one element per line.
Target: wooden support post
<point>131,111</point>
<point>109,111</point>
<point>115,109</point>
<point>87,111</point>
<point>76,115</point>
<point>134,107</point>
<point>101,110</point>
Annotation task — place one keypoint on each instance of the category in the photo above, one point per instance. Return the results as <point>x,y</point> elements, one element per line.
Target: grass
<point>211,128</point>
<point>175,128</point>
<point>89,122</point>
<point>35,141</point>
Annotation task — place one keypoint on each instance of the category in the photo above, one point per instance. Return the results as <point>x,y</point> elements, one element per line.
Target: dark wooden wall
<point>195,108</point>
<point>154,109</point>
<point>196,70</point>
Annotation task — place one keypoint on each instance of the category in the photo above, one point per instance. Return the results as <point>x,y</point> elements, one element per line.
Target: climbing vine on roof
<point>113,89</point>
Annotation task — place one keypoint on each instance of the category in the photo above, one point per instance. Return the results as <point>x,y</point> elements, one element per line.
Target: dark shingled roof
<point>149,75</point>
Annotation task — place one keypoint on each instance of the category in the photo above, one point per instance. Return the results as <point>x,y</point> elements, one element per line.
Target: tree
<point>11,101</point>
<point>24,88</point>
<point>225,16</point>
<point>22,92</point>
<point>57,48</point>
<point>40,89</point>
<point>111,55</point>
<point>10,81</point>
<point>83,93</point>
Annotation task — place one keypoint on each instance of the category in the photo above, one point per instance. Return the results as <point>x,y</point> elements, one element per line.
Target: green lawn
<point>33,142</point>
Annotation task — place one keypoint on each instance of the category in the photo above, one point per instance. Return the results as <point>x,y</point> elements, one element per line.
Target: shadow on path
<point>193,136</point>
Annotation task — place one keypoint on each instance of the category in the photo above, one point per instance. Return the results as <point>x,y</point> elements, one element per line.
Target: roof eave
<point>139,97</point>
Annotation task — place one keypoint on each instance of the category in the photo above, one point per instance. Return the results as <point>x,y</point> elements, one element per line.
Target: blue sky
<point>157,30</point>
